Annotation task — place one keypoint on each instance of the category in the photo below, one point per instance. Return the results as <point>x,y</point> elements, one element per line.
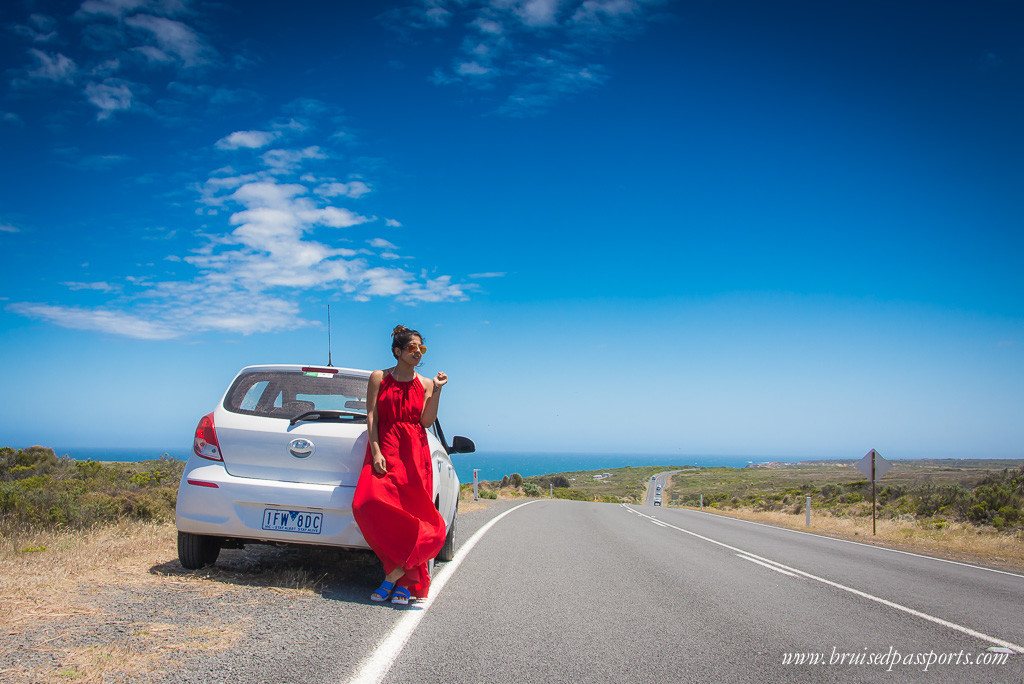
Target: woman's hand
<point>439,380</point>
<point>380,466</point>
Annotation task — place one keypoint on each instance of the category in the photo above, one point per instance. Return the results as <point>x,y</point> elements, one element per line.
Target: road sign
<point>873,466</point>
<point>881,466</point>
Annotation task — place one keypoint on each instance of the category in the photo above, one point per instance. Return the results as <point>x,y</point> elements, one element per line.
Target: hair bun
<point>398,330</point>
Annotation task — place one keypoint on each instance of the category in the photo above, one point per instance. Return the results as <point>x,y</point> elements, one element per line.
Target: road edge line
<point>377,665</point>
<point>863,594</point>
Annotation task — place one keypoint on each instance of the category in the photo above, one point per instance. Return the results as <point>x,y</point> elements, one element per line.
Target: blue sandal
<point>401,596</point>
<point>383,592</point>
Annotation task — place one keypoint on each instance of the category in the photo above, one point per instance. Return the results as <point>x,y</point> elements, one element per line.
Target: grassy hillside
<point>937,492</point>
<point>941,491</point>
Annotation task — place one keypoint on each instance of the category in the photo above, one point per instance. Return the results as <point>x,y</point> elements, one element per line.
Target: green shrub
<point>38,489</point>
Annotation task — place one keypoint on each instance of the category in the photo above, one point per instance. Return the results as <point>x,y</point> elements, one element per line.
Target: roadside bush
<point>38,489</point>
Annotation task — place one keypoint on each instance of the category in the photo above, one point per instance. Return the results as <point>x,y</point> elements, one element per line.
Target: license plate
<point>292,521</point>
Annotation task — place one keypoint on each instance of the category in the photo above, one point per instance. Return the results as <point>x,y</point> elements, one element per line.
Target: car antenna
<point>329,364</point>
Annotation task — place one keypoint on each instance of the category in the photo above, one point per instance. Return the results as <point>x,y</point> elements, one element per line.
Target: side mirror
<point>462,445</point>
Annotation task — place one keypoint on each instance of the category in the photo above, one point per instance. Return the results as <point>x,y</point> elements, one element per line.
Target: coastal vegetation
<point>937,492</point>
<point>617,485</point>
<point>39,490</point>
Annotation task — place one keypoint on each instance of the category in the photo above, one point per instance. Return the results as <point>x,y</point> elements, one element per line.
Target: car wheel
<point>448,550</point>
<point>197,550</point>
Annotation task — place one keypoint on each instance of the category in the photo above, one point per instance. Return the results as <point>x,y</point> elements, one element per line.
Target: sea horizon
<point>493,465</point>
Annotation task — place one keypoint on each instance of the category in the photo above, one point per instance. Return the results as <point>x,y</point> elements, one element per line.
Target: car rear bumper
<point>213,502</point>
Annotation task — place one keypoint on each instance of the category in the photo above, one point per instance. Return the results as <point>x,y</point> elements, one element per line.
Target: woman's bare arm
<point>380,465</point>
<point>431,398</point>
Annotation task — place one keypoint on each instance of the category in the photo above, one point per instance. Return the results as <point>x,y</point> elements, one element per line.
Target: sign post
<point>873,466</point>
<point>476,494</point>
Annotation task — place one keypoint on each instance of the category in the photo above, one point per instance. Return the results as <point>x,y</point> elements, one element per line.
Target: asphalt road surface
<point>584,592</point>
<point>656,481</point>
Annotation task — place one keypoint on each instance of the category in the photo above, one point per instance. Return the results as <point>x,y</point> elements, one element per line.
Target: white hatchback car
<point>278,460</point>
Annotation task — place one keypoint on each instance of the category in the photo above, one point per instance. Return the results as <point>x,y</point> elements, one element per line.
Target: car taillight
<point>206,444</point>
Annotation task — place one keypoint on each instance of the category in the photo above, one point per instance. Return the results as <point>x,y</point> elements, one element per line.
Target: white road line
<point>377,664</point>
<point>658,522</point>
<point>762,563</point>
<point>924,616</point>
<point>870,546</point>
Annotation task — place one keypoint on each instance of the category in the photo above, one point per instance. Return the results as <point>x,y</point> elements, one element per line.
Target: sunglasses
<point>412,347</point>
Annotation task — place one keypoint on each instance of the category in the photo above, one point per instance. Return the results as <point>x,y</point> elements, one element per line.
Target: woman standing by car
<point>393,503</point>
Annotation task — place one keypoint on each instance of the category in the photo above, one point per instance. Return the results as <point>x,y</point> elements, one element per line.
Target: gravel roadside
<point>262,614</point>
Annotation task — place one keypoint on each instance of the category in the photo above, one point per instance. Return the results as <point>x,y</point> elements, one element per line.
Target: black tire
<point>197,550</point>
<point>447,551</point>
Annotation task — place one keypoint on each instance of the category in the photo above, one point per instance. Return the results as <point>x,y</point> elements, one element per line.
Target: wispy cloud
<point>111,50</point>
<point>247,140</point>
<point>38,28</point>
<point>101,320</point>
<point>539,51</point>
<point>98,286</point>
<point>52,67</point>
<point>278,226</point>
<point>6,228</point>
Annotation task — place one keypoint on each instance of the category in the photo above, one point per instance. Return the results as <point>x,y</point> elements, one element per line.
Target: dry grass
<point>955,541</point>
<point>52,592</point>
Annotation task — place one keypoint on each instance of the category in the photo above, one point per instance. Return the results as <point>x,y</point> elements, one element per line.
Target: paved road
<point>573,591</point>
<point>659,480</point>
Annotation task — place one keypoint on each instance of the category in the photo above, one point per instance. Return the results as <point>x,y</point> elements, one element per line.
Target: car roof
<point>300,366</point>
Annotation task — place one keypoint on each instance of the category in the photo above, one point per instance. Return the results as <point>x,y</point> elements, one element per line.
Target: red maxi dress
<point>395,511</point>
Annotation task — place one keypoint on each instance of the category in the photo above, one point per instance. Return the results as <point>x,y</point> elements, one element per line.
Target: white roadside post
<point>552,495</point>
<point>873,466</point>
<point>808,512</point>
<point>476,481</point>
<point>702,502</point>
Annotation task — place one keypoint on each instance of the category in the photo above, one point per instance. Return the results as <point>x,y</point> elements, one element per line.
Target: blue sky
<point>787,229</point>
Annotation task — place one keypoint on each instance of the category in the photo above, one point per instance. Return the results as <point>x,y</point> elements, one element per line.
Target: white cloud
<point>271,235</point>
<point>100,320</point>
<point>353,189</point>
<point>537,12</point>
<point>57,67</point>
<point>471,69</point>
<point>99,286</point>
<point>290,160</point>
<point>392,223</point>
<point>247,140</point>
<point>121,8</point>
<point>506,43</point>
<point>6,228</point>
<point>491,274</point>
<point>109,97</point>
<point>114,43</point>
<point>173,38</point>
<point>40,28</point>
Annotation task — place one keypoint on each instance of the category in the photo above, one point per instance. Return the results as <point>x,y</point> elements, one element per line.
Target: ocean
<point>491,465</point>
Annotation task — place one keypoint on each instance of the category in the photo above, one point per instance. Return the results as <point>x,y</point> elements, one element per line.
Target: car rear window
<point>285,394</point>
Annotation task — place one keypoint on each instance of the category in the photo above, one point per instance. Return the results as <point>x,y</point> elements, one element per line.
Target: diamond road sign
<point>881,465</point>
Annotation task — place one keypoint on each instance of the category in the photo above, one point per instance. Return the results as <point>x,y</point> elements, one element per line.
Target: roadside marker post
<point>874,467</point>
<point>702,502</point>
<point>808,512</point>
<point>476,481</point>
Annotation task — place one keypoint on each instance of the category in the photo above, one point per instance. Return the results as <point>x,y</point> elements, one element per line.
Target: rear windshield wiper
<point>324,415</point>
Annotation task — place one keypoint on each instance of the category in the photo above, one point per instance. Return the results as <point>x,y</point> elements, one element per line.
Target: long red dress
<point>395,511</point>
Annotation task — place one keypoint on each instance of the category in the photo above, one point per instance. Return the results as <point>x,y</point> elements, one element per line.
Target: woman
<point>393,503</point>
